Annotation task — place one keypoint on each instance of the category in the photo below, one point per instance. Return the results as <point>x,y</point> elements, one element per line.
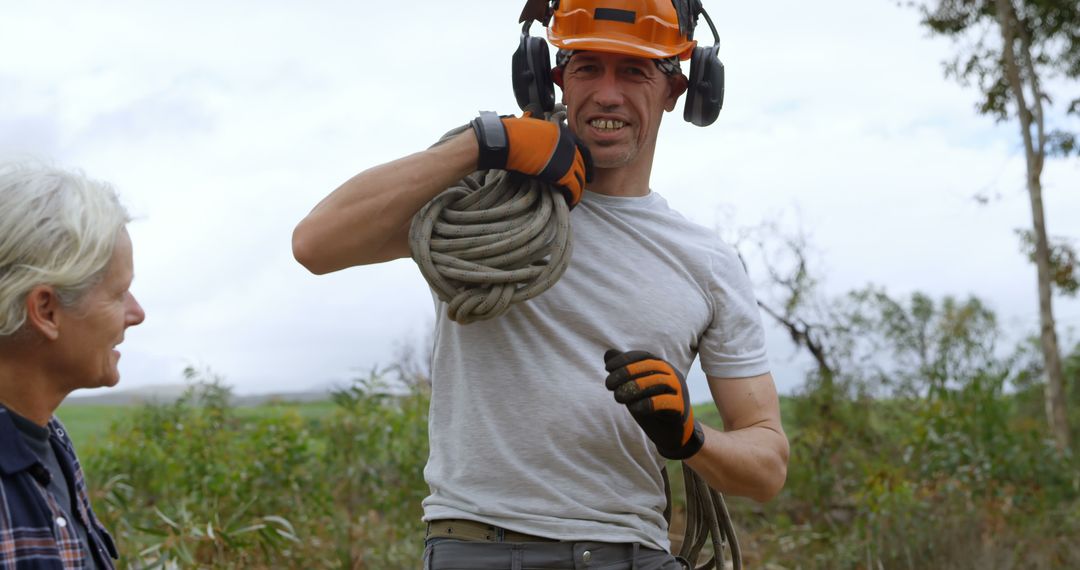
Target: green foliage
<point>1050,29</point>
<point>376,449</point>
<point>907,347</point>
<point>84,421</point>
<point>196,484</point>
<point>1063,261</point>
<point>948,468</point>
<point>1028,381</point>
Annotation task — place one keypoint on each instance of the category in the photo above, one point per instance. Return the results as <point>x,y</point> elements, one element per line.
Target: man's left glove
<point>656,395</point>
<point>534,147</point>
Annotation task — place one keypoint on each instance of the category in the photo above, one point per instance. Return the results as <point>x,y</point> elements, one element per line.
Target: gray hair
<point>58,228</point>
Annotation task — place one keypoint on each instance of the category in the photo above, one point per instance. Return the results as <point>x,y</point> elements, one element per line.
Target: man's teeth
<point>607,124</point>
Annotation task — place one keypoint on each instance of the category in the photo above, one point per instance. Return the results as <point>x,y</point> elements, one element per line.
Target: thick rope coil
<point>494,239</point>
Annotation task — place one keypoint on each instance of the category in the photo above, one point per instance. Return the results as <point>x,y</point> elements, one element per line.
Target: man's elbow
<point>305,252</point>
<point>775,473</point>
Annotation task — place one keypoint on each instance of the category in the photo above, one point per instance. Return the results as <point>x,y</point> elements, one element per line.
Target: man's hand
<point>656,395</point>
<point>534,147</point>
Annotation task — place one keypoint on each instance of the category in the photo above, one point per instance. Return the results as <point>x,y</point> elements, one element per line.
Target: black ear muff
<point>531,71</point>
<point>705,92</point>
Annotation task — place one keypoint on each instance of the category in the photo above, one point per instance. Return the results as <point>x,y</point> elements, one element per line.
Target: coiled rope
<point>494,239</point>
<point>707,520</point>
<point>497,238</point>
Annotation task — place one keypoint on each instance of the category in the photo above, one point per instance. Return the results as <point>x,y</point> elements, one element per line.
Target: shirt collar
<point>15,454</point>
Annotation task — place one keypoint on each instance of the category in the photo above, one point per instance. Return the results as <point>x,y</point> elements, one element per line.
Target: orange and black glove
<point>534,147</point>
<point>656,395</point>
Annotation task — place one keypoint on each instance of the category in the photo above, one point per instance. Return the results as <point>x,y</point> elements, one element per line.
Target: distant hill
<point>166,393</point>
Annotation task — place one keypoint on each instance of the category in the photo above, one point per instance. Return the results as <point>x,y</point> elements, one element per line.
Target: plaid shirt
<point>34,531</point>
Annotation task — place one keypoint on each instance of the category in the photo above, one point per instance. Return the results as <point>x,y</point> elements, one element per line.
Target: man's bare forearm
<point>366,219</point>
<point>749,462</point>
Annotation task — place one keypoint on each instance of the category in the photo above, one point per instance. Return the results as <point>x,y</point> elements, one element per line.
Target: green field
<point>88,422</point>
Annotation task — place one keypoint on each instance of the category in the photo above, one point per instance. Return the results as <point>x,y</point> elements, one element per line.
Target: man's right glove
<point>656,395</point>
<point>534,147</point>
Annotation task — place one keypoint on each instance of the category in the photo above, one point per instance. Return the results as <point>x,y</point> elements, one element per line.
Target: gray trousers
<point>449,554</point>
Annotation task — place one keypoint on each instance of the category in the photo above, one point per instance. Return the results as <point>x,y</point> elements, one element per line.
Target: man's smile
<point>606,124</point>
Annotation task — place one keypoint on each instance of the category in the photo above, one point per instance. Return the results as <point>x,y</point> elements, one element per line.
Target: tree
<point>1018,46</point>
<point>917,347</point>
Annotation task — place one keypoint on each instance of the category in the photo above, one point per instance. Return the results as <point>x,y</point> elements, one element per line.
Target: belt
<point>461,529</point>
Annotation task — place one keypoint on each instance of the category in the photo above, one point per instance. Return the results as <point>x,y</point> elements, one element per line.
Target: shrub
<point>194,483</point>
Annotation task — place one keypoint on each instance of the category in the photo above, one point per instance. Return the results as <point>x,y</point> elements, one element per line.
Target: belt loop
<point>516,555</point>
<point>500,534</point>
<point>428,554</point>
<point>633,557</point>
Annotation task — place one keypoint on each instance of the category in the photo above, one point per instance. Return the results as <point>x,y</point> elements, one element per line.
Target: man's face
<point>92,329</point>
<point>615,103</point>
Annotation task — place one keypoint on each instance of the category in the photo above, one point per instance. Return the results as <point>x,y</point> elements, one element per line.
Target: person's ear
<point>557,76</point>
<point>677,85</point>
<point>43,311</point>
<point>557,79</point>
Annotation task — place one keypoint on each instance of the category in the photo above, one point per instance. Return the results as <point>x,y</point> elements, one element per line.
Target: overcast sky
<point>222,123</point>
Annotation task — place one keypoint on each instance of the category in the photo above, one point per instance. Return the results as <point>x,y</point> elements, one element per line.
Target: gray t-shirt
<point>524,434</point>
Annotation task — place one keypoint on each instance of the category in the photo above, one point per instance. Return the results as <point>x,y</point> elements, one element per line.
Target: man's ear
<point>556,76</point>
<point>677,84</point>
<point>557,79</point>
<point>42,311</point>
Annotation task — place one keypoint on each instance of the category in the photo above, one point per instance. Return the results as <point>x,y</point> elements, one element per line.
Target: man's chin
<point>614,156</point>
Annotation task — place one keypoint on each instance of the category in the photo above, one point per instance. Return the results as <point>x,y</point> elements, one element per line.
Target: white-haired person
<point>65,273</point>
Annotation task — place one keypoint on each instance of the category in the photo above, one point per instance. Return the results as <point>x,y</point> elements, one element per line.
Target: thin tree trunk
<point>1035,152</point>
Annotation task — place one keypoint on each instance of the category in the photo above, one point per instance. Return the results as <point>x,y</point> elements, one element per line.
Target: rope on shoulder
<point>494,239</point>
<point>497,238</point>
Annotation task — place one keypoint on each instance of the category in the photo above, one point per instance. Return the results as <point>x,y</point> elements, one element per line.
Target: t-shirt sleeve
<point>733,345</point>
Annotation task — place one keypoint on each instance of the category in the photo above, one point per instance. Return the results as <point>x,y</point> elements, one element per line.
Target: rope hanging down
<point>498,238</point>
<point>494,239</point>
<point>707,519</point>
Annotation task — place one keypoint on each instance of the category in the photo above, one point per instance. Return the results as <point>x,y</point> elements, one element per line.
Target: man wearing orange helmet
<point>547,439</point>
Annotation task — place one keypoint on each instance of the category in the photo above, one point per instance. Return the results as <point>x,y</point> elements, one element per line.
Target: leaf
<point>279,520</point>
<point>167,520</point>
<point>249,528</point>
<point>288,535</point>
<point>1061,144</point>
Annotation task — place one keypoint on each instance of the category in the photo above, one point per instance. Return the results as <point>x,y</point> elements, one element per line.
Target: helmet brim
<point>629,46</point>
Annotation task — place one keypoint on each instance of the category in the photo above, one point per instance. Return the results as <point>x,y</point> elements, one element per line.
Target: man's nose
<point>609,92</point>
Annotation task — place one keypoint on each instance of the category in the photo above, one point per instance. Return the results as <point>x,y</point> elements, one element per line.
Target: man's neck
<point>630,180</point>
<point>26,389</point>
<point>618,182</point>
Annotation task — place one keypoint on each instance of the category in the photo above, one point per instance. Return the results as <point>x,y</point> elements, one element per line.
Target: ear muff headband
<point>705,92</point>
<point>531,69</point>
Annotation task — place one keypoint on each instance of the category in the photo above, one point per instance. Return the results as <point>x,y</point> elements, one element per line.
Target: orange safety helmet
<point>642,28</point>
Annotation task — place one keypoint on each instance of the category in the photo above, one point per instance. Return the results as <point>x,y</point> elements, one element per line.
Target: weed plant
<point>960,478</point>
<point>194,484</point>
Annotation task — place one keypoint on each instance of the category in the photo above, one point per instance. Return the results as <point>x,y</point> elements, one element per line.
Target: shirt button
<point>586,556</point>
<point>61,522</point>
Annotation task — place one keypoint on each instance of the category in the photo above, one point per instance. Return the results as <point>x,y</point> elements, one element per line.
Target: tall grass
<point>193,484</point>
<point>961,479</point>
